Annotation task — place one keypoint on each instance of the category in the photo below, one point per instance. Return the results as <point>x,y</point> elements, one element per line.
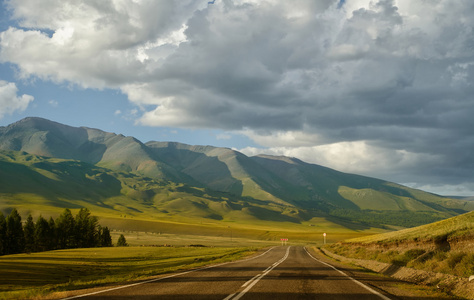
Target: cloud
<point>223,136</point>
<point>385,79</point>
<point>10,102</point>
<point>358,157</point>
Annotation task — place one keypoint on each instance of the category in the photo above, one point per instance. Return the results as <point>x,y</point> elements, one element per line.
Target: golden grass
<point>29,275</point>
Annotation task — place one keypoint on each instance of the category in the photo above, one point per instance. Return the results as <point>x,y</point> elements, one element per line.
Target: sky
<point>382,88</point>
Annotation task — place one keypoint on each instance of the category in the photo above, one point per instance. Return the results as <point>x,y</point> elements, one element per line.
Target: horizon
<point>377,88</point>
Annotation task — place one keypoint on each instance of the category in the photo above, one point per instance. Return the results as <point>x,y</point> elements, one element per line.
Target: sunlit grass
<point>26,275</point>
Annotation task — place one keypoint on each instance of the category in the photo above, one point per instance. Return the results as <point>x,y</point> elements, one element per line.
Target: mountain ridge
<point>272,179</point>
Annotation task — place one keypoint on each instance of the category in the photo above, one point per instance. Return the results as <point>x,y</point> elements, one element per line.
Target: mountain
<point>308,190</point>
<point>46,138</point>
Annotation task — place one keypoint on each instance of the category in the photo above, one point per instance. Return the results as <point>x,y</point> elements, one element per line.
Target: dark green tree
<point>65,229</point>
<point>42,234</point>
<point>15,238</point>
<point>105,240</point>
<point>122,242</point>
<point>29,231</point>
<point>86,229</point>
<point>3,234</point>
<point>52,236</point>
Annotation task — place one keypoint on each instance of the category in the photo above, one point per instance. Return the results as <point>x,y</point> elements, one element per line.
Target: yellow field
<point>24,276</point>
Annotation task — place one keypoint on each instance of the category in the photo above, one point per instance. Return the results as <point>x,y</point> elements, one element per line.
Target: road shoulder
<point>385,284</point>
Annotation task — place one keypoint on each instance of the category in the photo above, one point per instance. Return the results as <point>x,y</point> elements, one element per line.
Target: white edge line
<point>161,278</point>
<point>356,281</point>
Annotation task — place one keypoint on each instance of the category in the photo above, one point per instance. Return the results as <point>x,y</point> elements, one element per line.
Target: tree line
<point>66,232</point>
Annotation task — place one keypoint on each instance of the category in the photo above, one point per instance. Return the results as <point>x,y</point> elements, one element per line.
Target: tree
<point>122,242</point>
<point>65,226</point>
<point>86,229</point>
<point>29,231</point>
<point>52,235</point>
<point>104,238</point>
<point>15,238</point>
<point>42,234</point>
<point>3,234</point>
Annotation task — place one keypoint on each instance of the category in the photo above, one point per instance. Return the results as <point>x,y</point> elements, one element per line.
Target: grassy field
<point>26,276</point>
<point>444,247</point>
<point>455,227</point>
<point>155,248</point>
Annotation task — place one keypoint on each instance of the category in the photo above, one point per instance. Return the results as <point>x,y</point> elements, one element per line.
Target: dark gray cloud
<point>389,81</point>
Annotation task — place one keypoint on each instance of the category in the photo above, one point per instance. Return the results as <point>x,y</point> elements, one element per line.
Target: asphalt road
<point>287,272</point>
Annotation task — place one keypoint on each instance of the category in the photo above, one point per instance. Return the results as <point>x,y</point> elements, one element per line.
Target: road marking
<point>161,278</point>
<point>249,284</point>
<point>354,280</point>
<point>229,297</point>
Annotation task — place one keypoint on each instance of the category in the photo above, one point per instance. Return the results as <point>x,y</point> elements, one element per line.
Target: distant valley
<point>46,166</point>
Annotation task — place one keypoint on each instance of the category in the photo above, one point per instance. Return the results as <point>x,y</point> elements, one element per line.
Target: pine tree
<point>52,235</point>
<point>65,226</point>
<point>42,234</point>
<point>122,242</point>
<point>29,231</point>
<point>105,238</point>
<point>86,229</point>
<point>15,238</point>
<point>3,234</point>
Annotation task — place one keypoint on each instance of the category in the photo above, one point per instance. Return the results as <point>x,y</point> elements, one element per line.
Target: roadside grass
<point>25,276</point>
<point>458,263</point>
<point>456,227</point>
<point>442,247</point>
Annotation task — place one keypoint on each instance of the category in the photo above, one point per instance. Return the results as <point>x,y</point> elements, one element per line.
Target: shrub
<point>455,258</point>
<point>414,253</point>
<point>403,260</point>
<point>466,266</point>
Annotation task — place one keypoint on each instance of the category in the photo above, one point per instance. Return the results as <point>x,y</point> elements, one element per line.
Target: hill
<point>110,166</point>
<point>438,254</point>
<point>456,231</point>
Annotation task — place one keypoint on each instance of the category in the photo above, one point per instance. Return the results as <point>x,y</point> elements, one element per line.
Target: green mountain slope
<point>35,184</point>
<point>307,190</point>
<point>46,138</point>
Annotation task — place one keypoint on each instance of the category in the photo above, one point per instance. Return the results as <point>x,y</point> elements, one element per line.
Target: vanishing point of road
<point>286,272</point>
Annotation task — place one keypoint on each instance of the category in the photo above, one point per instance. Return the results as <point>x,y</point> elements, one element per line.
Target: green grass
<point>30,275</point>
<point>442,247</point>
<point>458,226</point>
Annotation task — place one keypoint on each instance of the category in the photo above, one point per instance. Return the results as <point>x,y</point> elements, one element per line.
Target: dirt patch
<point>454,285</point>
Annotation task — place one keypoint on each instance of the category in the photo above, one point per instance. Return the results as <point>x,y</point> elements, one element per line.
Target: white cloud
<point>10,102</point>
<point>53,103</point>
<point>353,157</point>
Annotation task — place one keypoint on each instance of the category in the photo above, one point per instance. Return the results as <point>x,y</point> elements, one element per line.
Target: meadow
<point>47,275</point>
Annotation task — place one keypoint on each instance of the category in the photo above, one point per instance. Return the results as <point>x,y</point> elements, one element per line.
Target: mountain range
<point>64,166</point>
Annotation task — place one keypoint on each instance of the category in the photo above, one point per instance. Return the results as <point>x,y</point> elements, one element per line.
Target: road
<point>286,272</point>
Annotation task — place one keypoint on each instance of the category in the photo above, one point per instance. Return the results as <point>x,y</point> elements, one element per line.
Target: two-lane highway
<point>279,273</point>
